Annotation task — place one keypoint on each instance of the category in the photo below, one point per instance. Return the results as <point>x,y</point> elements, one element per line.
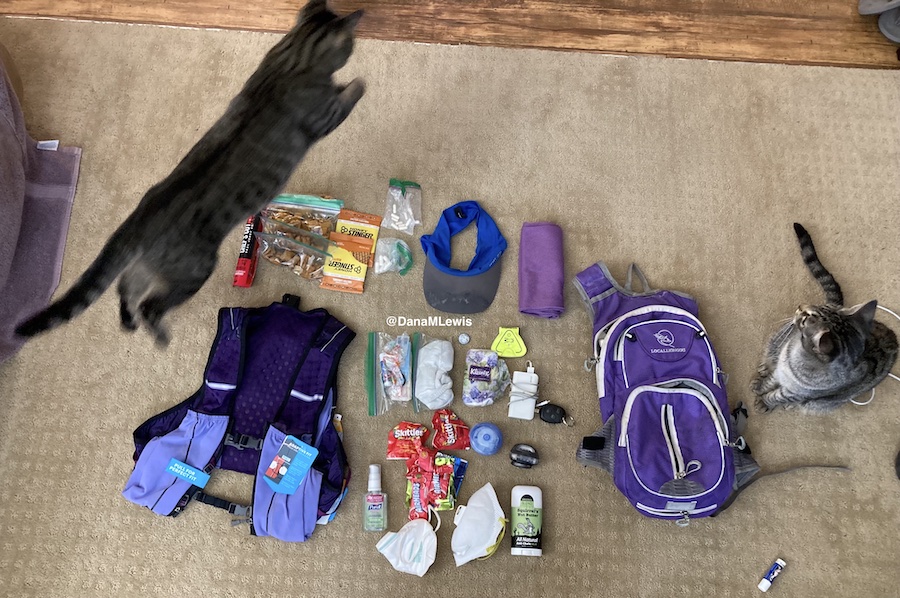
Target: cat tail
<point>115,256</point>
<point>833,294</point>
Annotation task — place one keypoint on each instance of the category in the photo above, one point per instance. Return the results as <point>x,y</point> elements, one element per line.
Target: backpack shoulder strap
<point>646,288</point>
<point>594,283</point>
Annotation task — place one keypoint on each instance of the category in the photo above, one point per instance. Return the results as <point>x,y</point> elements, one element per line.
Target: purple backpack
<point>668,438</point>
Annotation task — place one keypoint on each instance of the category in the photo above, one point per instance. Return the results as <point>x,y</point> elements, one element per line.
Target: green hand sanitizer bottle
<point>375,505</point>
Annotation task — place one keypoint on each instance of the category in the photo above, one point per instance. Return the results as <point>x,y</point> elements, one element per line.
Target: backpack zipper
<point>680,469</point>
<point>709,402</point>
<point>609,328</point>
<point>619,352</point>
<point>664,513</point>
<point>667,418</point>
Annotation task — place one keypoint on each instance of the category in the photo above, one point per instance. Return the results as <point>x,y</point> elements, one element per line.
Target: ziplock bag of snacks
<point>277,227</point>
<point>305,261</point>
<point>307,212</point>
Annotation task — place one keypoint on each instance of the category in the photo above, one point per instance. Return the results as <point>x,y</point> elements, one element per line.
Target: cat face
<point>829,332</point>
<point>332,36</point>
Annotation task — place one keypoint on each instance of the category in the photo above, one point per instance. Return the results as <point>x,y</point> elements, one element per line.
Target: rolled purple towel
<point>541,270</point>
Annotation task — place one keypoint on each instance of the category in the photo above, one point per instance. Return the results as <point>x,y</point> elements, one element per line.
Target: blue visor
<point>463,291</point>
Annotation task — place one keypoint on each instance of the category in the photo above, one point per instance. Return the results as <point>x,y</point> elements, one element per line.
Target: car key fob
<point>554,414</point>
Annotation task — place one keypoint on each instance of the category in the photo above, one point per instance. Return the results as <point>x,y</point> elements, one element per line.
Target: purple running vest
<point>271,373</point>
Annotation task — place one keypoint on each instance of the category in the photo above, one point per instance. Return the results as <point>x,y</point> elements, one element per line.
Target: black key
<point>552,414</point>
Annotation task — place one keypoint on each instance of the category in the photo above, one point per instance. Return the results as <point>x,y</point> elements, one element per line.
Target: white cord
<point>872,396</point>
<point>889,311</point>
<point>525,395</point>
<point>865,402</point>
<point>433,511</point>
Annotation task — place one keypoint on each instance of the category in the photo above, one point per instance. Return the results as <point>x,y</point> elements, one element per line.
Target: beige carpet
<point>693,169</point>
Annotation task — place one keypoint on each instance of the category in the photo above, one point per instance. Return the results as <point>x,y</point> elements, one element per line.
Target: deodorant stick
<point>526,520</point>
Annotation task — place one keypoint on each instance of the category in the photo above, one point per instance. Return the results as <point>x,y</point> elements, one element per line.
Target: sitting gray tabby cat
<point>828,354</point>
<point>166,249</point>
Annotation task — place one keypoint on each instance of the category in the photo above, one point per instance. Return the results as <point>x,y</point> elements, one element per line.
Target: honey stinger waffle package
<point>363,227</point>
<point>346,269</point>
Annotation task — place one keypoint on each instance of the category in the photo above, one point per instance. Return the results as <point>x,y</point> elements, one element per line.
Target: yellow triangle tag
<point>508,343</point>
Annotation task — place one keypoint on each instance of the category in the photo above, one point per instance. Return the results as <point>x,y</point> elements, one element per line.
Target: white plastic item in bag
<point>392,255</point>
<point>434,387</point>
<point>403,208</point>
<point>413,548</point>
<point>480,526</point>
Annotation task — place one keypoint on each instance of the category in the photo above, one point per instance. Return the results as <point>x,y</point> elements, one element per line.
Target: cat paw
<point>761,406</point>
<point>161,337</point>
<point>756,386</point>
<point>129,324</point>
<point>127,318</point>
<point>353,91</point>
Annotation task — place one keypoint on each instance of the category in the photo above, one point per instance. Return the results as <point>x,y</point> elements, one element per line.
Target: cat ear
<point>312,7</point>
<point>864,314</point>
<point>823,343</point>
<point>352,20</point>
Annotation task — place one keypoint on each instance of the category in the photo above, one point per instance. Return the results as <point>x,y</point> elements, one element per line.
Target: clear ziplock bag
<point>392,255</point>
<point>277,227</point>
<point>403,207</point>
<point>390,372</point>
<point>308,212</point>
<point>304,260</point>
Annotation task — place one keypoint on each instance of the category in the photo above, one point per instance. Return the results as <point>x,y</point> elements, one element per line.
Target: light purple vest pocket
<point>193,442</point>
<point>288,517</point>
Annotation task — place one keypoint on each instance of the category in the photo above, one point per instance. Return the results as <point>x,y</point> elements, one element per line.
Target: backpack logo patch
<point>667,341</point>
<point>665,338</point>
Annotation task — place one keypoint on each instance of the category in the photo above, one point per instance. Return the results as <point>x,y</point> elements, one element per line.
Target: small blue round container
<point>485,438</point>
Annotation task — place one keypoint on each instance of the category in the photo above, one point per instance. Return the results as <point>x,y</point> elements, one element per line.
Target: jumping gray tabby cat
<point>828,354</point>
<point>166,249</point>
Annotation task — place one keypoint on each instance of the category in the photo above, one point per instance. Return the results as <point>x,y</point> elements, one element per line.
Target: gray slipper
<point>876,7</point>
<point>889,23</point>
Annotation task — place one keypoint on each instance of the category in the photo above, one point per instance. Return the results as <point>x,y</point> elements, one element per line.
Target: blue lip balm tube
<point>766,581</point>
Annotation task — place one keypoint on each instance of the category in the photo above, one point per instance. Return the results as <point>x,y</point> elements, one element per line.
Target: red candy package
<point>450,432</point>
<point>406,439</point>
<point>430,483</point>
<point>442,483</point>
<point>422,461</point>
<point>418,496</point>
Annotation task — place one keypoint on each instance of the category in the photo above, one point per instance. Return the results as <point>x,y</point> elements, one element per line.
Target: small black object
<point>552,414</point>
<point>292,300</point>
<point>459,213</point>
<point>593,443</point>
<point>524,456</point>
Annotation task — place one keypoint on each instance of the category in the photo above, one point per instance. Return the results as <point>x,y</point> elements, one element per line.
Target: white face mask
<point>480,526</point>
<point>413,548</point>
<point>434,387</point>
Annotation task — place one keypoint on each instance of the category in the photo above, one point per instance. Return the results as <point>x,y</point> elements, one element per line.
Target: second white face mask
<point>412,549</point>
<point>480,526</point>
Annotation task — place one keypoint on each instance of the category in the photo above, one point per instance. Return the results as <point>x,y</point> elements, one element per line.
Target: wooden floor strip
<point>816,32</point>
